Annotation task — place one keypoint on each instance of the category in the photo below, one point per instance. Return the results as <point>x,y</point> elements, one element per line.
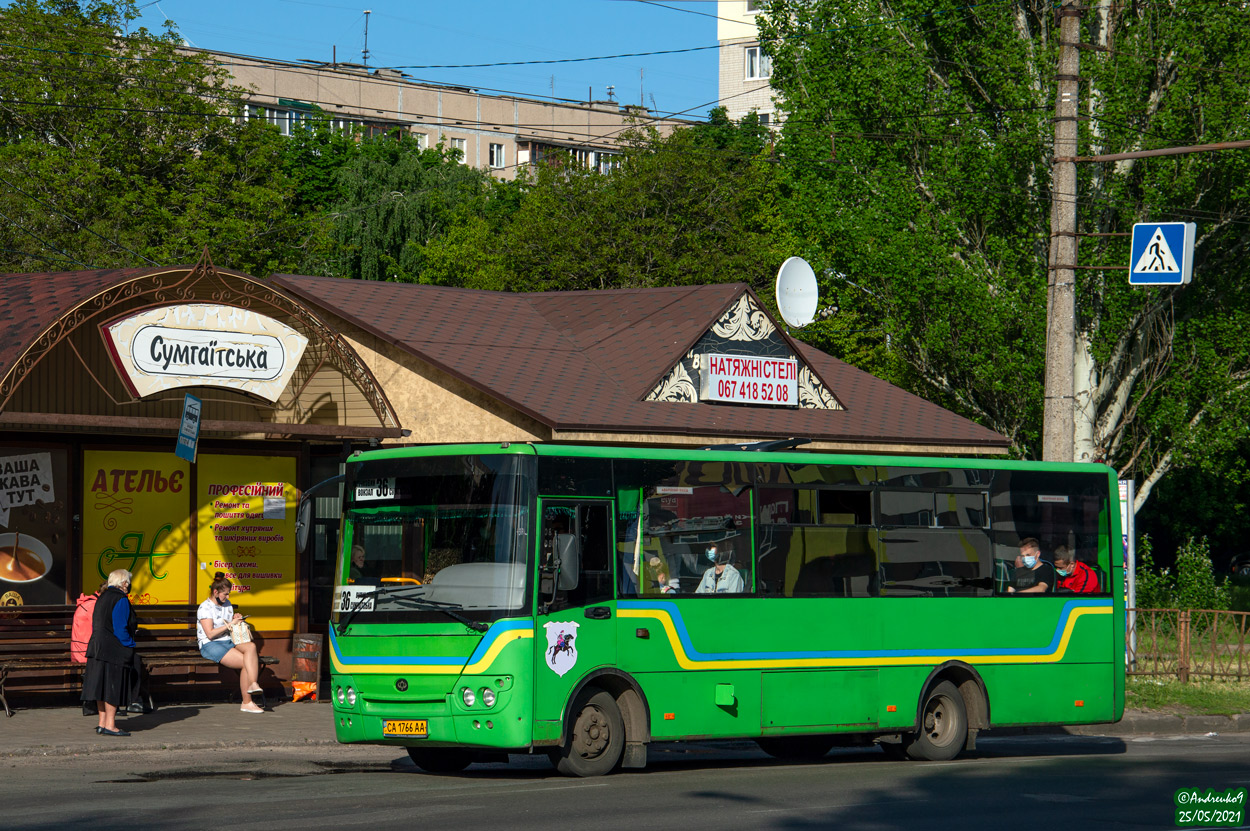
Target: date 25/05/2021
<point>1210,807</point>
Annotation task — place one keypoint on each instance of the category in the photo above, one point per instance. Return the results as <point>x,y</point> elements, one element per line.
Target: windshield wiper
<point>399,593</point>
<point>448,609</point>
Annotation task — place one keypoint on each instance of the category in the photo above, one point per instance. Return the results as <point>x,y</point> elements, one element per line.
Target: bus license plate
<point>417,728</point>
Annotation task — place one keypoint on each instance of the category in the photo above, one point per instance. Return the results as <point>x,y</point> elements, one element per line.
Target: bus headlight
<point>468,697</point>
<point>338,694</point>
<point>351,697</point>
<point>488,697</point>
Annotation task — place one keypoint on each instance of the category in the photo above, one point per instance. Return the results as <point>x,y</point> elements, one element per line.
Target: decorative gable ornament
<point>743,359</point>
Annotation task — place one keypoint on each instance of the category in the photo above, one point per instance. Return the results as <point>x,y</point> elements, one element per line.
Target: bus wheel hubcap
<point>937,720</point>
<point>593,733</point>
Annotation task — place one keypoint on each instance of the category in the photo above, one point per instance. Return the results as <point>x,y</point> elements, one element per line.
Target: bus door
<point>575,622</point>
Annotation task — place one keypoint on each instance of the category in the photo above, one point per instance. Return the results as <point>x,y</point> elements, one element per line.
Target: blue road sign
<point>1162,253</point>
<point>189,431</point>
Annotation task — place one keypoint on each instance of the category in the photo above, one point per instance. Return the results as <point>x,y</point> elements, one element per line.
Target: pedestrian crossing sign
<point>1162,253</point>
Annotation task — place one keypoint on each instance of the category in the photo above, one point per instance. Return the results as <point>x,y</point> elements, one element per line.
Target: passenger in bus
<point>1073,575</point>
<point>659,581</point>
<point>1032,574</point>
<point>358,574</point>
<point>722,577</point>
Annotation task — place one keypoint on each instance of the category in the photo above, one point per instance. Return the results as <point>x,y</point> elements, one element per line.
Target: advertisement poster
<point>247,531</point>
<point>34,548</point>
<point>136,516</point>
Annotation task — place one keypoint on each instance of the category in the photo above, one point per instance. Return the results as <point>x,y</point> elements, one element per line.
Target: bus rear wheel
<point>440,760</point>
<point>596,737</point>
<point>943,726</point>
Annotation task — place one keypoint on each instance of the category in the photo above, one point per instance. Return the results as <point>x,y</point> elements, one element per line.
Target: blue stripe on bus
<point>496,631</point>
<point>671,609</point>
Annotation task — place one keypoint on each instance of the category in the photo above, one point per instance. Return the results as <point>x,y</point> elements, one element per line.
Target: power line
<point>75,221</point>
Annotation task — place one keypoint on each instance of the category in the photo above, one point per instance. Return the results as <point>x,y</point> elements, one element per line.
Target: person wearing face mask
<point>1074,576</point>
<point>1032,575</point>
<point>722,577</point>
<point>215,616</point>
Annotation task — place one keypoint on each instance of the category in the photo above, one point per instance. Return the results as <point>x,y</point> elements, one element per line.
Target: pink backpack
<point>80,632</point>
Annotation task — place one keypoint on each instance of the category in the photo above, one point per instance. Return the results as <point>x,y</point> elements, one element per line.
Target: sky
<point>422,33</point>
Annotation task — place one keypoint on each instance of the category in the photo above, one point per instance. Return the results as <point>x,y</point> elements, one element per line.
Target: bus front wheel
<point>439,760</point>
<point>596,737</point>
<point>943,726</point>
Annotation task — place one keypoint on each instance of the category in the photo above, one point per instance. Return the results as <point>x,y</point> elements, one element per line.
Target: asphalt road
<point>1057,783</point>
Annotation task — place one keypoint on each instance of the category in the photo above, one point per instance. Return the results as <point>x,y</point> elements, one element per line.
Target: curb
<point>1143,724</point>
<point>141,747</point>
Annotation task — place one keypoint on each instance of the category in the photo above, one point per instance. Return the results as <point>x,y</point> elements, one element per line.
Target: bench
<point>36,640</point>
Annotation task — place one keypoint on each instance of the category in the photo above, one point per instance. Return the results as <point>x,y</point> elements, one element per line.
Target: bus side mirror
<point>303,524</point>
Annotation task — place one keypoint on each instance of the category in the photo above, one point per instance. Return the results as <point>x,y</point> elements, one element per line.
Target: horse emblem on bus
<point>561,654</point>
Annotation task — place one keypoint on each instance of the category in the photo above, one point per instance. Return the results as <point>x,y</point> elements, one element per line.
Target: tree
<point>917,160</point>
<point>123,150</point>
<point>391,200</point>
<point>696,206</point>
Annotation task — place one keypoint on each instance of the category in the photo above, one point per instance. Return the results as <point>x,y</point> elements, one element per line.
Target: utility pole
<point>1058,429</point>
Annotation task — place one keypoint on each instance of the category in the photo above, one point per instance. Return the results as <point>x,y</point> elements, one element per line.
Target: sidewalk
<point>65,731</point>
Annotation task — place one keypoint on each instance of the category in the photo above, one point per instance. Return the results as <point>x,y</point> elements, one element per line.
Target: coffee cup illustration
<point>23,558</point>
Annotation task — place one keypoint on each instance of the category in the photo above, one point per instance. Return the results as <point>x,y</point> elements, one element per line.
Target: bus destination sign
<point>750,379</point>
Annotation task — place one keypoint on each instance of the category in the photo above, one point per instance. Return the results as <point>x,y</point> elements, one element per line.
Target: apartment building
<point>500,132</point>
<point>744,68</point>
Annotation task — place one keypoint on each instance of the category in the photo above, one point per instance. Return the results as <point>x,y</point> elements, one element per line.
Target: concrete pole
<point>1057,417</point>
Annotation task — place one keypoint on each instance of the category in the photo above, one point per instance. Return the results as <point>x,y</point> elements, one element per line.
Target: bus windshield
<point>448,531</point>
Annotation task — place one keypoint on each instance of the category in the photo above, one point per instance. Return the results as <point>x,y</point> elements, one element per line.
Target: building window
<point>422,140</point>
<point>497,156</point>
<point>759,65</point>
<point>752,6</point>
<point>462,147</point>
<point>608,162</point>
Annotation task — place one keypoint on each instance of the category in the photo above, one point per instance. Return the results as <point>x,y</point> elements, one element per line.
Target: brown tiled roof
<point>29,303</point>
<point>584,361</point>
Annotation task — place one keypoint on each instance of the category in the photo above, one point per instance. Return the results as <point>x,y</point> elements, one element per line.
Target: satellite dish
<point>797,294</point>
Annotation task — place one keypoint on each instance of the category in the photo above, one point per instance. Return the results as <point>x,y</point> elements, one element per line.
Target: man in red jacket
<point>1074,576</point>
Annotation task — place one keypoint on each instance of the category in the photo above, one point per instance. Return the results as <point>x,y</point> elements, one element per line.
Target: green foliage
<point>917,152</point>
<point>390,199</point>
<point>1191,585</point>
<point>123,151</point>
<point>696,206</point>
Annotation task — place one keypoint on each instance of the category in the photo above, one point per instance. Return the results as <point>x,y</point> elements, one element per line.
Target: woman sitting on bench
<point>215,617</point>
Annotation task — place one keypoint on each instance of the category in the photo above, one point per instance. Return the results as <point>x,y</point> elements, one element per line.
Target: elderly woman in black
<point>111,678</point>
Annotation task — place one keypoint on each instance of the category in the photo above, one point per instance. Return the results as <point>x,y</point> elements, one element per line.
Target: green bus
<point>584,602</point>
